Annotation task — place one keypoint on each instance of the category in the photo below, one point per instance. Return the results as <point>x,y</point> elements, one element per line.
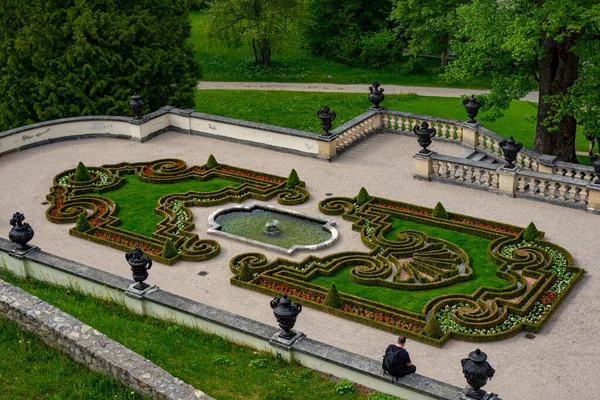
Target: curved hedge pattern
<point>70,198</point>
<point>539,274</point>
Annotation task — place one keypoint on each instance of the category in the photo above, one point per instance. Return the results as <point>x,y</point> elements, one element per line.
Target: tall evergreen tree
<point>64,58</point>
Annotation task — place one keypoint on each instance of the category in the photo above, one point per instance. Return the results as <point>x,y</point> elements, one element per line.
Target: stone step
<point>477,156</point>
<point>467,153</point>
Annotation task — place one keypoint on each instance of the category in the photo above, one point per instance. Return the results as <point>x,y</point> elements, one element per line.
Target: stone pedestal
<point>20,254</point>
<point>470,137</point>
<point>486,396</point>
<point>283,347</point>
<point>327,146</point>
<point>423,165</point>
<point>546,164</point>
<point>139,294</point>
<point>594,198</point>
<point>508,181</point>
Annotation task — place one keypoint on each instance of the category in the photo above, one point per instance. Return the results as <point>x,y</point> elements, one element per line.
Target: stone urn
<point>140,264</point>
<point>477,371</point>
<point>327,117</point>
<point>376,95</point>
<point>424,134</point>
<point>510,149</point>
<point>286,312</point>
<point>21,233</point>
<point>136,104</point>
<point>595,159</point>
<point>472,105</point>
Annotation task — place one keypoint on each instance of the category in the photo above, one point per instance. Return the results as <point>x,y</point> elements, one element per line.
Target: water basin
<point>274,228</point>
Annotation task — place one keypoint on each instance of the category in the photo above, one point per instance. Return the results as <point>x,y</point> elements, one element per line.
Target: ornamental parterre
<point>530,277</point>
<point>70,197</point>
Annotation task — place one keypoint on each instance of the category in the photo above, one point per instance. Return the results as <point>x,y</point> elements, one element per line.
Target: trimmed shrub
<point>245,273</point>
<point>439,211</point>
<point>530,233</point>
<point>212,162</point>
<point>333,298</point>
<point>81,173</point>
<point>82,224</point>
<point>169,250</point>
<point>432,328</point>
<point>292,180</point>
<point>363,196</point>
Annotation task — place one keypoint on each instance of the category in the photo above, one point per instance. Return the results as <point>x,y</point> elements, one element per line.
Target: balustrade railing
<point>356,130</point>
<point>464,171</point>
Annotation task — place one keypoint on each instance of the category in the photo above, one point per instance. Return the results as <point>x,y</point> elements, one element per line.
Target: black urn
<point>595,159</point>
<point>327,117</point>
<point>510,149</point>
<point>136,104</point>
<point>424,134</point>
<point>477,371</point>
<point>472,105</point>
<point>140,264</point>
<point>286,312</point>
<point>376,95</point>
<point>21,233</point>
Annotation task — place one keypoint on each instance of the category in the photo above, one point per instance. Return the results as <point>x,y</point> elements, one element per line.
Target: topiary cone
<point>169,250</point>
<point>81,173</point>
<point>530,233</point>
<point>363,196</point>
<point>439,211</point>
<point>211,162</point>
<point>333,298</point>
<point>292,180</point>
<point>245,274</point>
<point>82,223</point>
<point>432,328</point>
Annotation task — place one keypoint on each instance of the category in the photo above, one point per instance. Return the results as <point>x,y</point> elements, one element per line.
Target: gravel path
<point>330,87</point>
<point>558,363</point>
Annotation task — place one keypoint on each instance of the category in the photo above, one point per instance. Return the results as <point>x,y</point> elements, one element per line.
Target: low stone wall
<point>90,347</point>
<point>164,305</point>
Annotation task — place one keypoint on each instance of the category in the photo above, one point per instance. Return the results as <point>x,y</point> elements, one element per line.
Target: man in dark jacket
<point>401,364</point>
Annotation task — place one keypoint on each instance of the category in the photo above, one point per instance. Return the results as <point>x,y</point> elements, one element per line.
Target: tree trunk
<point>255,52</point>
<point>444,60</point>
<point>265,51</point>
<point>557,73</point>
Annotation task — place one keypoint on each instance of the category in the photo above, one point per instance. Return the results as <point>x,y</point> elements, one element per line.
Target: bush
<point>333,298</point>
<point>413,66</point>
<point>344,386</point>
<point>81,173</point>
<point>169,250</point>
<point>195,5</point>
<point>82,224</point>
<point>292,180</point>
<point>363,196</point>
<point>245,274</point>
<point>439,211</point>
<point>530,233</point>
<point>380,49</point>
<point>432,328</point>
<point>211,162</point>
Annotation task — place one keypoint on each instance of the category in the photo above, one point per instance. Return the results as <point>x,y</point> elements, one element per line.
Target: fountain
<point>276,229</point>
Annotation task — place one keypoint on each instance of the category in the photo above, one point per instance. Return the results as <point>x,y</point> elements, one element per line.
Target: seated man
<point>396,360</point>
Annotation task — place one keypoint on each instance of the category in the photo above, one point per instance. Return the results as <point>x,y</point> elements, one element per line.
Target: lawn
<point>291,63</point>
<point>30,369</point>
<point>221,369</point>
<point>298,110</point>
<point>136,200</point>
<point>484,271</point>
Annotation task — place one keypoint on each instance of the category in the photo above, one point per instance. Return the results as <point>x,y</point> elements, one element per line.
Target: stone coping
<point>318,350</point>
<point>328,225</point>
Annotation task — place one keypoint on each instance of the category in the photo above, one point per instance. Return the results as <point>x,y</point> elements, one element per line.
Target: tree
<point>427,25</point>
<point>263,23</point>
<point>65,58</point>
<point>528,45</point>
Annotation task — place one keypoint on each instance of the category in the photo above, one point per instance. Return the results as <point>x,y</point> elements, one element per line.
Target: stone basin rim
<point>328,225</point>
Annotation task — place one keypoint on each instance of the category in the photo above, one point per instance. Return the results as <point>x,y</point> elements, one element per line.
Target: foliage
<point>530,233</point>
<point>363,196</point>
<point>260,362</point>
<point>344,386</point>
<point>381,396</point>
<point>292,180</point>
<point>196,4</point>
<point>333,298</point>
<point>82,224</point>
<point>169,250</point>
<point>263,23</point>
<point>380,49</point>
<point>427,25</point>
<point>543,45</point>
<point>70,58</point>
<point>439,211</point>
<point>211,162</point>
<point>432,328</point>
<point>221,360</point>
<point>81,173</point>
<point>245,274</point>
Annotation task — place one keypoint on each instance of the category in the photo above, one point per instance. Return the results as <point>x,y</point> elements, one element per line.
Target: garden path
<point>330,87</point>
<point>558,363</point>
